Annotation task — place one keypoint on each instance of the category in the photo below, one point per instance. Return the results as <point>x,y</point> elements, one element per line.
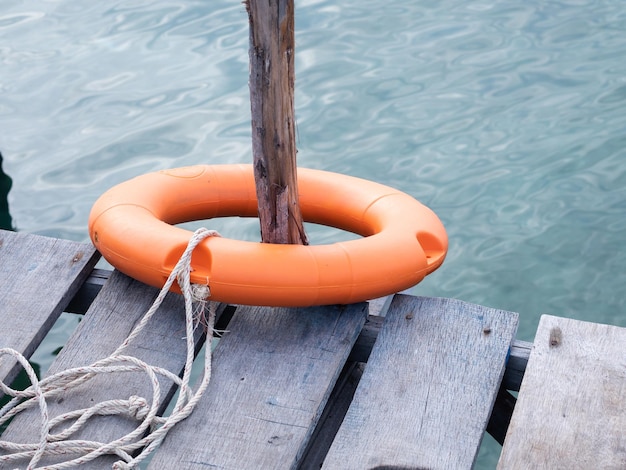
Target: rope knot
<point>121,465</point>
<point>138,407</point>
<point>200,292</point>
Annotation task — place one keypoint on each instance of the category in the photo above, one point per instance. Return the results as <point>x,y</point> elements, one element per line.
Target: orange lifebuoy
<point>403,240</point>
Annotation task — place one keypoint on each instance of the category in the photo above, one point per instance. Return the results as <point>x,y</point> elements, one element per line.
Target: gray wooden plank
<point>426,394</point>
<point>570,412</point>
<point>113,314</point>
<point>38,278</point>
<point>515,367</point>
<point>272,374</point>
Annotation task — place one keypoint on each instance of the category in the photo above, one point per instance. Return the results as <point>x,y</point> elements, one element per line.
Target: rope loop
<point>152,429</point>
<point>138,407</point>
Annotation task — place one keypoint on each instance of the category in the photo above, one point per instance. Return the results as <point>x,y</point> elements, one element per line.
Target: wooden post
<point>272,79</point>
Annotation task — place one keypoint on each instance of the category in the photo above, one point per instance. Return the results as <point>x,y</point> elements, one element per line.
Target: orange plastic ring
<point>403,240</point>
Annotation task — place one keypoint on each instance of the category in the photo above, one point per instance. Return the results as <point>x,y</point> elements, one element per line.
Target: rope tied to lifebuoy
<point>151,431</point>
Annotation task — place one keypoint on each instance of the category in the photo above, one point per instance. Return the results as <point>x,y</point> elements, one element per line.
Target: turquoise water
<point>505,117</point>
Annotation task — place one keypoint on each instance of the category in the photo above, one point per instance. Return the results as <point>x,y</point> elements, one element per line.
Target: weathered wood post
<point>272,78</point>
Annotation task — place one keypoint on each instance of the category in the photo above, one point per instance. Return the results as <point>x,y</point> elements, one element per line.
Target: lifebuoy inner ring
<point>403,240</point>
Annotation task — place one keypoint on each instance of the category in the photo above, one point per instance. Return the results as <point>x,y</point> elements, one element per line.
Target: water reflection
<point>5,186</point>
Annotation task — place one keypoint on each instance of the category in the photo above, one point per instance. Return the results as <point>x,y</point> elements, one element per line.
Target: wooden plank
<point>515,366</point>
<point>38,277</point>
<point>114,313</point>
<point>570,411</point>
<point>426,394</point>
<point>513,374</point>
<point>272,374</point>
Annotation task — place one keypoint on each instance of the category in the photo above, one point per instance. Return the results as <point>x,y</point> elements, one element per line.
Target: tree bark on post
<point>272,79</point>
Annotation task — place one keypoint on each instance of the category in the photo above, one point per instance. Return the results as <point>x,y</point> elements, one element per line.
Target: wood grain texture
<point>38,278</point>
<point>272,375</point>
<point>272,77</point>
<point>426,394</point>
<point>114,313</point>
<point>571,411</point>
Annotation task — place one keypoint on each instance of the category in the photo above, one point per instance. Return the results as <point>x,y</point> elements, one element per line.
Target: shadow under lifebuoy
<point>6,222</point>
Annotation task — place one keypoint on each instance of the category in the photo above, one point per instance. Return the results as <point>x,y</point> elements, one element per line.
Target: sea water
<point>505,117</point>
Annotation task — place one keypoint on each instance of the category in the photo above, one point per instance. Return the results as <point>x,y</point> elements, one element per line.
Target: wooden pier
<point>402,383</point>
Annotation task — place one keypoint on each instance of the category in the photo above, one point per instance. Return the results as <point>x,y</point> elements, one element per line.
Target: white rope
<point>152,429</point>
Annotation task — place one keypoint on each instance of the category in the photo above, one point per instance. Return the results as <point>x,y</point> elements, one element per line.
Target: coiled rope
<point>155,426</point>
